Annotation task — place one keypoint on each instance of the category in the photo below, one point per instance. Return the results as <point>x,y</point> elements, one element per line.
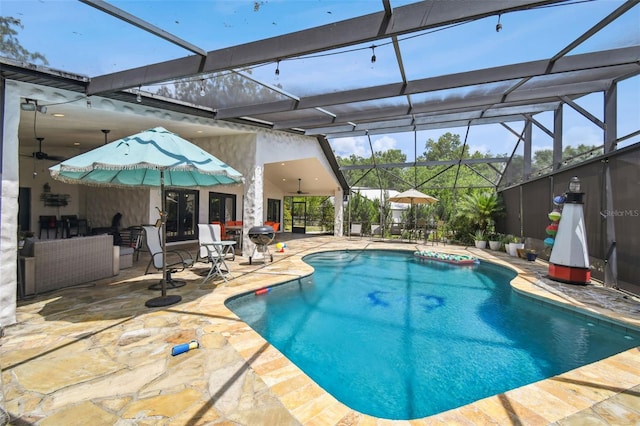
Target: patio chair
<point>211,253</point>
<point>356,230</point>
<point>275,226</point>
<point>70,226</point>
<point>207,234</point>
<point>230,254</point>
<point>223,232</point>
<point>233,229</point>
<point>133,237</point>
<point>48,223</point>
<point>377,230</point>
<point>180,260</point>
<point>396,230</point>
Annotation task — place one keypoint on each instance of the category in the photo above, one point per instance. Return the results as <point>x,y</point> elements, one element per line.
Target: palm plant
<point>480,208</point>
<point>479,235</point>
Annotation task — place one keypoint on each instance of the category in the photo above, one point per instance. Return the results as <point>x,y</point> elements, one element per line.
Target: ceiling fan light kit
<point>32,105</point>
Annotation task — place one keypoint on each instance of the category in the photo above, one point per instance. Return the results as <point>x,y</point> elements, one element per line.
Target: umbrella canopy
<point>153,158</point>
<point>413,196</point>
<point>138,160</point>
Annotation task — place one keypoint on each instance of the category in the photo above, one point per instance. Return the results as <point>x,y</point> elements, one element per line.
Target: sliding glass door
<point>222,207</point>
<point>182,214</point>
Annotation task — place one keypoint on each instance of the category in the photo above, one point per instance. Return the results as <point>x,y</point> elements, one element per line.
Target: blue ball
<point>548,242</point>
<point>559,200</point>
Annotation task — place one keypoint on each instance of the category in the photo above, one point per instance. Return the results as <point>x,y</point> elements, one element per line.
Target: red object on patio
<point>569,274</point>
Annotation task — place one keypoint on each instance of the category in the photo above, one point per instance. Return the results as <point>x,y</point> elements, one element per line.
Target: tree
<point>447,147</point>
<point>543,159</point>
<point>394,178</point>
<point>11,48</point>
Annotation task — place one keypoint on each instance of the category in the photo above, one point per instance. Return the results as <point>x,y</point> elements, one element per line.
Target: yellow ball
<point>279,246</point>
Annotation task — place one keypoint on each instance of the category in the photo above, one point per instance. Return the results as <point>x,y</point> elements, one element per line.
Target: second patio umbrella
<point>413,196</point>
<point>153,158</point>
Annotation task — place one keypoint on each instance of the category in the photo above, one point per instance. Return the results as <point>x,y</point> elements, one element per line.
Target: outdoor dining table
<point>236,232</point>
<point>217,251</point>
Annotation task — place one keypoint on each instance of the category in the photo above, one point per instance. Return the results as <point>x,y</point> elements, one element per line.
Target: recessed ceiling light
<point>76,143</point>
<point>199,131</point>
<point>57,114</point>
<point>282,164</point>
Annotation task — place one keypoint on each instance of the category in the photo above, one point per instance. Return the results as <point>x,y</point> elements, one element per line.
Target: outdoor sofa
<point>53,264</point>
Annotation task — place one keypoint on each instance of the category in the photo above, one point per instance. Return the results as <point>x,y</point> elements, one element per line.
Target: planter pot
<point>481,244</point>
<point>495,245</point>
<point>513,248</point>
<point>531,257</point>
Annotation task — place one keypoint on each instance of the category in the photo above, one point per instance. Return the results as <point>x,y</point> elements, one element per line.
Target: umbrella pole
<point>163,205</point>
<point>163,300</point>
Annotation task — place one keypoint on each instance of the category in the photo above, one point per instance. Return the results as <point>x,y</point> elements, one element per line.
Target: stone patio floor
<point>94,354</point>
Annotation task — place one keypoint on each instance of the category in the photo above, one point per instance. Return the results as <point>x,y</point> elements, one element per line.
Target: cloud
<point>344,147</point>
<point>385,143</point>
<point>586,135</point>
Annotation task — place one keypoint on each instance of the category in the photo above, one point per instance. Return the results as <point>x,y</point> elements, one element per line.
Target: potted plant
<point>495,241</point>
<point>480,239</point>
<point>22,236</point>
<point>531,255</point>
<point>506,241</point>
<point>515,244</point>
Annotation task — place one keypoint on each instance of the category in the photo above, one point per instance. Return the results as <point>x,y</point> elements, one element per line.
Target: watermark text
<point>620,213</point>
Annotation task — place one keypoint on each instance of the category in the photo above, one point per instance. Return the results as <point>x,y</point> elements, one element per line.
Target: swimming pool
<point>397,338</point>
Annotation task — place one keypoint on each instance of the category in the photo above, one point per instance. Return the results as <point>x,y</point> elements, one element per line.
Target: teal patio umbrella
<point>153,158</point>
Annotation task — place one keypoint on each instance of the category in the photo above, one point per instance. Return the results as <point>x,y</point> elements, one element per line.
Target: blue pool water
<point>399,338</point>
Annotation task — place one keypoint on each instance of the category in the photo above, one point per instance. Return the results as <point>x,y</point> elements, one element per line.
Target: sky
<point>77,38</point>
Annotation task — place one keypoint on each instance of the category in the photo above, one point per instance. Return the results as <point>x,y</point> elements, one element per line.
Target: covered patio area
<point>96,352</point>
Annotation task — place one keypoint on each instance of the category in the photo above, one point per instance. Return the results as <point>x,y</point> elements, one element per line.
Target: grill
<point>261,236</point>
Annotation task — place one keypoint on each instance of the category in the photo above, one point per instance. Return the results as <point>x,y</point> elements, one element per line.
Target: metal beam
<point>598,68</point>
<point>547,95</point>
<point>558,114</point>
<point>405,19</point>
<point>581,62</point>
<point>428,163</point>
<point>528,132</point>
<point>135,21</point>
<point>540,125</point>
<point>597,27</point>
<point>584,112</point>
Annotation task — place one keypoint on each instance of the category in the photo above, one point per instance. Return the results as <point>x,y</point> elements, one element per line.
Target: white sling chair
<point>179,259</point>
<point>209,251</point>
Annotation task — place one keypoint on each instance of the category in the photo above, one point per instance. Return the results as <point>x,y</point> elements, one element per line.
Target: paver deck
<point>96,352</point>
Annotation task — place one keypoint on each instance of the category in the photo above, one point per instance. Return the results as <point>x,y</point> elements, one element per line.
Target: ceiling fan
<point>299,191</point>
<point>40,155</point>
